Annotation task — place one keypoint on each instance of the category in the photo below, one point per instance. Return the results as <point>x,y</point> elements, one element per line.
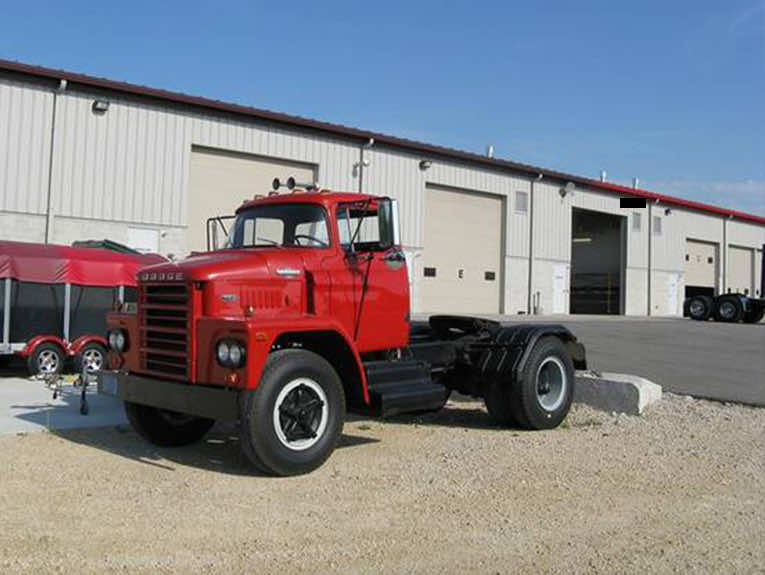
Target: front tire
<point>541,397</point>
<point>292,421</point>
<point>166,428</point>
<point>754,315</point>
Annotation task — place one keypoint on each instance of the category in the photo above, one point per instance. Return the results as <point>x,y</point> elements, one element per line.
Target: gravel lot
<point>680,489</point>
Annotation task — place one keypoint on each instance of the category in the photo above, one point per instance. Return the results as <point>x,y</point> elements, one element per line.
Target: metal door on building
<point>460,270</point>
<point>701,267</point>
<point>741,270</point>
<point>220,180</point>
<point>560,287</point>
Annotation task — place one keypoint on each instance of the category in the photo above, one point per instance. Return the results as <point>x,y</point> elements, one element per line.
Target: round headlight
<point>112,340</point>
<point>224,353</point>
<point>119,341</point>
<point>235,354</point>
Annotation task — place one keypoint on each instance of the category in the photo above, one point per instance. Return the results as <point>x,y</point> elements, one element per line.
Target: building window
<point>656,226</point>
<point>636,222</point>
<point>430,272</point>
<point>521,203</point>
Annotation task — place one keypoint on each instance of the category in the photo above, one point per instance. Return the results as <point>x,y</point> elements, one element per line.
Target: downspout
<point>529,305</point>
<point>48,211</point>
<point>650,252</point>
<point>724,257</point>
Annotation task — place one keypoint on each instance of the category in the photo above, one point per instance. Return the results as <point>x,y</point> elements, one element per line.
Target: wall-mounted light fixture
<point>567,189</point>
<point>100,106</point>
<point>425,165</point>
<point>667,211</point>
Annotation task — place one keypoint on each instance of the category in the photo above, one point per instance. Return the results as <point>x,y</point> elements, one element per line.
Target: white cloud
<point>745,196</point>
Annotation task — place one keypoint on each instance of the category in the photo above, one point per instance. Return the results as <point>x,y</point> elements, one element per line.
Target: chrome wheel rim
<point>301,413</point>
<point>93,360</point>
<point>48,361</point>
<point>727,310</point>
<point>552,383</point>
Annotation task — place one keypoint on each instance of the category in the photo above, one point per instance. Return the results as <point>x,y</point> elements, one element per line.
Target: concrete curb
<point>619,392</point>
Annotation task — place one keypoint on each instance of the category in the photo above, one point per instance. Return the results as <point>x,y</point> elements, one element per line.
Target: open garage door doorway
<point>598,258</point>
<point>220,180</point>
<point>701,267</point>
<point>460,269</point>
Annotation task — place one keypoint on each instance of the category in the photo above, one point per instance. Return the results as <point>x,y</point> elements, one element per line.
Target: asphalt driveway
<point>718,361</point>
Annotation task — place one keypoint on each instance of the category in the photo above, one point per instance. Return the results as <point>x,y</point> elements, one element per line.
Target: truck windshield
<point>295,225</point>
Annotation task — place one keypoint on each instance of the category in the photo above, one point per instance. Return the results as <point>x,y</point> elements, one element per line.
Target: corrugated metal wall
<point>131,165</point>
<point>25,129</point>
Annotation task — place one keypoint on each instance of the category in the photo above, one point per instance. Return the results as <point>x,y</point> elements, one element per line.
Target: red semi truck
<point>304,314</point>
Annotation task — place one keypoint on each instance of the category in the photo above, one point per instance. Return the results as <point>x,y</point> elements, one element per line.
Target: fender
<point>76,346</point>
<point>508,350</point>
<point>32,344</point>
<point>263,336</point>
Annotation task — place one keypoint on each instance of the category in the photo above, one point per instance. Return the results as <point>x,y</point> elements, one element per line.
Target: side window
<point>363,224</point>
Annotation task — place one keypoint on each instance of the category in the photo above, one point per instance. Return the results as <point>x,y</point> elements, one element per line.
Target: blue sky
<point>672,92</point>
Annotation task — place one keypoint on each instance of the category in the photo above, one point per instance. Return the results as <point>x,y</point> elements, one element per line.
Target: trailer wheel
<point>291,422</point>
<point>541,398</point>
<point>46,359</point>
<point>729,309</point>
<point>166,428</point>
<point>91,357</point>
<point>700,307</point>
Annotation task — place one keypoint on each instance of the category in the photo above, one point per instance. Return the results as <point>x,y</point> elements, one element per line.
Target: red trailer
<point>54,300</point>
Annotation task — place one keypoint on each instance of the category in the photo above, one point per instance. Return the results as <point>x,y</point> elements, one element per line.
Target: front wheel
<point>166,428</point>
<point>541,397</point>
<point>291,422</point>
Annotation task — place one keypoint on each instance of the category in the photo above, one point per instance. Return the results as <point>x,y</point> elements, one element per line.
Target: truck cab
<point>302,314</point>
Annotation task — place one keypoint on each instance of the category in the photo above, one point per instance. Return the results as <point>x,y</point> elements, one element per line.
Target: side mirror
<point>387,218</point>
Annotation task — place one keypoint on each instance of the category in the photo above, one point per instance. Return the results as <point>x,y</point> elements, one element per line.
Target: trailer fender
<point>32,344</point>
<point>507,352</point>
<point>76,346</point>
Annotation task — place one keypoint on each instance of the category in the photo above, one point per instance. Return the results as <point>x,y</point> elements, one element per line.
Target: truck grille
<point>164,317</point>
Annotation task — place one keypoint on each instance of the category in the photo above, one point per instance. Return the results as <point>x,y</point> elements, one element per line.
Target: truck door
<point>377,277</point>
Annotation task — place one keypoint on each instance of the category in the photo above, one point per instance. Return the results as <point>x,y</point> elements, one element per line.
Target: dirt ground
<point>680,489</point>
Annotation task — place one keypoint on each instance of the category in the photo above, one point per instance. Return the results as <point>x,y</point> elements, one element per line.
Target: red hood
<point>227,265</point>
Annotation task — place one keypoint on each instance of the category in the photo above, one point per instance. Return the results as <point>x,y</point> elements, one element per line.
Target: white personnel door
<point>560,287</point>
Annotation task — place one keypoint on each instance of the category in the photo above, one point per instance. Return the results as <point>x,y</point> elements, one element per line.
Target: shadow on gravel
<point>477,418</point>
<point>218,451</point>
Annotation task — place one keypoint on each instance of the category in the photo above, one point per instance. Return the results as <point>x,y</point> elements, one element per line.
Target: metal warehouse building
<point>88,158</point>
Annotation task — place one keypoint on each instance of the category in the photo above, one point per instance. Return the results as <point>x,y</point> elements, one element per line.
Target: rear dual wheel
<point>541,397</point>
<point>729,309</point>
<point>700,307</point>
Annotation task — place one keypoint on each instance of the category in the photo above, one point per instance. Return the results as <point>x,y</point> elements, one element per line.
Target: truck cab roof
<point>323,197</point>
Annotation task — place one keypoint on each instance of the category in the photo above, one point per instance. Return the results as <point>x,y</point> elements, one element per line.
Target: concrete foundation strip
<point>618,392</point>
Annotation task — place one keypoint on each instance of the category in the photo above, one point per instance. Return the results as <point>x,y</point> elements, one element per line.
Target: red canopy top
<point>48,263</point>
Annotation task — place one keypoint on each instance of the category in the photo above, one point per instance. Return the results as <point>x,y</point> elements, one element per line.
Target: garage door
<point>701,264</point>
<point>461,264</point>
<point>740,272</point>
<point>219,181</point>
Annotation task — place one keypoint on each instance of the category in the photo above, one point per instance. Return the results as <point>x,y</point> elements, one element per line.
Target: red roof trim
<point>355,133</point>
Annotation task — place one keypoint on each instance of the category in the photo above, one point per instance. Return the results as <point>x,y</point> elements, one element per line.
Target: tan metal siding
<point>25,128</point>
